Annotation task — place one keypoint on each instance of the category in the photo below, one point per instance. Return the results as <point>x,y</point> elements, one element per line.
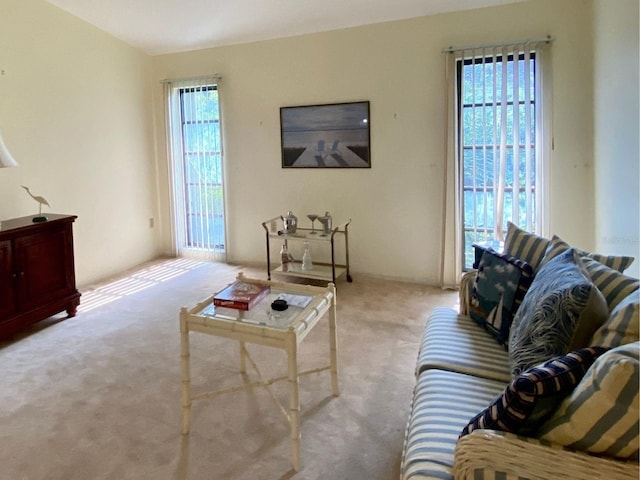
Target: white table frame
<point>324,300</point>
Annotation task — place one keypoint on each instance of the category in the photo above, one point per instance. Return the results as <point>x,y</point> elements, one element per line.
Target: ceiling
<point>169,26</point>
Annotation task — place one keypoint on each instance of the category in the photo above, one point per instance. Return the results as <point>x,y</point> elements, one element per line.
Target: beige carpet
<point>98,396</point>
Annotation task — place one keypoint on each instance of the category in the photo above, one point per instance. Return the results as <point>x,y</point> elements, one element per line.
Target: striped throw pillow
<point>622,326</point>
<point>557,246</point>
<point>533,395</point>
<point>614,285</point>
<point>601,415</point>
<point>617,262</point>
<point>526,246</point>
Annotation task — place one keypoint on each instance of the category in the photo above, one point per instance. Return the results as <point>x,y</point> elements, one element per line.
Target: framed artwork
<point>333,135</point>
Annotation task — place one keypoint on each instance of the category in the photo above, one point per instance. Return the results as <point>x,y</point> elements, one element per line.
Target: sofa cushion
<point>443,402</point>
<point>601,415</point>
<point>614,285</point>
<point>501,283</point>
<point>534,395</point>
<point>526,246</point>
<point>456,343</point>
<point>557,246</point>
<point>560,313</point>
<point>622,326</point>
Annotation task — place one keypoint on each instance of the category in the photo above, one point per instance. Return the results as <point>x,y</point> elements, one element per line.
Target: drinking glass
<point>312,217</point>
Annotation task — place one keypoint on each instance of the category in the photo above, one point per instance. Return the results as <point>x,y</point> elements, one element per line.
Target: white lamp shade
<point>6,160</point>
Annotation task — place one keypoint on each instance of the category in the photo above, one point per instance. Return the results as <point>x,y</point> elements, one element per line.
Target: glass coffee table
<point>264,326</point>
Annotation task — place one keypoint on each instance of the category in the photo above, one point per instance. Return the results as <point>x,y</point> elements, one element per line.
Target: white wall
<point>617,155</point>
<point>396,206</point>
<point>75,111</point>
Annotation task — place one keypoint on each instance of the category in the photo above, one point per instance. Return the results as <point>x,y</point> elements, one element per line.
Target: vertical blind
<point>195,167</point>
<point>495,131</point>
<point>495,146</point>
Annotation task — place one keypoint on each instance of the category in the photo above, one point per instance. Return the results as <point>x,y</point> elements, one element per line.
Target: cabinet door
<point>44,269</point>
<point>7,292</point>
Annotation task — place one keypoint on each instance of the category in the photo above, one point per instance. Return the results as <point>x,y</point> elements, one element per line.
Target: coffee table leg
<point>294,401</point>
<point>186,374</point>
<point>333,344</point>
<point>243,357</point>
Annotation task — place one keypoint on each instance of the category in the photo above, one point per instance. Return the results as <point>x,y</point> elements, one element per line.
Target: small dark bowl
<point>279,305</point>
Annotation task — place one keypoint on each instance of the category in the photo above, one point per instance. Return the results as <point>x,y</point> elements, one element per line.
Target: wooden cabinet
<point>37,274</point>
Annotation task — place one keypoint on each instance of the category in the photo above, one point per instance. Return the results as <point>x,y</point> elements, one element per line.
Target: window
<point>197,179</point>
<point>488,161</point>
<point>497,146</point>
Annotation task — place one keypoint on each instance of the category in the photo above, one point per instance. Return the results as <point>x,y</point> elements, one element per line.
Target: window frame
<point>486,230</point>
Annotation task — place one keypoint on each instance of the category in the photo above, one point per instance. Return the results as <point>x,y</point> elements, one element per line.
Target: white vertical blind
<point>195,167</point>
<point>498,162</point>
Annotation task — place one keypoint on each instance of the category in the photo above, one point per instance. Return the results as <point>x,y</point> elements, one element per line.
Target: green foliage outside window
<point>481,122</point>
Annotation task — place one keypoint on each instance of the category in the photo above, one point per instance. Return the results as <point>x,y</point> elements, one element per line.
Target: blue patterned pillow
<point>534,395</point>
<point>560,313</point>
<point>500,286</point>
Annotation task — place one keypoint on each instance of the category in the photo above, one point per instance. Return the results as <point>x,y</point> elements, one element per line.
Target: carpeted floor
<point>98,396</point>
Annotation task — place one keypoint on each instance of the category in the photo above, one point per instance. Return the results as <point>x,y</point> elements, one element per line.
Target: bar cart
<point>322,271</point>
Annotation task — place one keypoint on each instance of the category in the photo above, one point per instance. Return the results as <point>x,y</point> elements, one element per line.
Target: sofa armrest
<point>494,454</point>
<point>466,288</point>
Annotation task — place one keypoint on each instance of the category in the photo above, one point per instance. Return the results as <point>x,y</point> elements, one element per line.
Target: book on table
<point>241,295</point>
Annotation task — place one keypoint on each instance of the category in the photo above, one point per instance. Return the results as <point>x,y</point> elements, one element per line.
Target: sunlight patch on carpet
<point>136,282</point>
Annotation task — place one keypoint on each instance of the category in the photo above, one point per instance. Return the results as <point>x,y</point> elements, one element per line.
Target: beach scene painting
<point>326,136</point>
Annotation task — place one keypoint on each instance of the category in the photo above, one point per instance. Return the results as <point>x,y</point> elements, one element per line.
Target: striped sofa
<point>460,370</point>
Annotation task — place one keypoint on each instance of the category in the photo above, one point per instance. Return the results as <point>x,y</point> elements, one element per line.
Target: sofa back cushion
<point>557,246</point>
<point>614,285</point>
<point>560,313</point>
<point>526,246</point>
<point>601,415</point>
<point>622,326</point>
<point>500,285</point>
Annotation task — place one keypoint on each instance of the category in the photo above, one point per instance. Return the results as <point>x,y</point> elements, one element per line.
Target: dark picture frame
<point>331,135</point>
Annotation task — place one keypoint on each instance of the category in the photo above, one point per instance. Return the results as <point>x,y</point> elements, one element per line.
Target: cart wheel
<point>349,278</point>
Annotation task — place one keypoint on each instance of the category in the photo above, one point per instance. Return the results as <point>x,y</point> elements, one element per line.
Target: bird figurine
<point>41,201</point>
